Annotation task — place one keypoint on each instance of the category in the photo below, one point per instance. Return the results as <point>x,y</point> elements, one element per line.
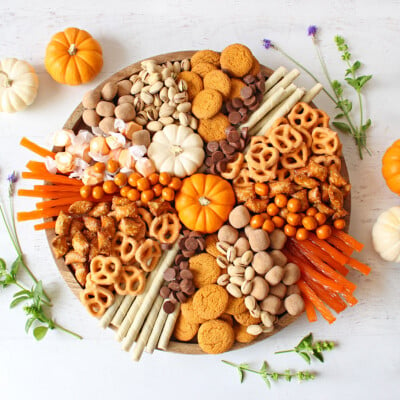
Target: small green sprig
<point>268,376</point>
<point>308,349</point>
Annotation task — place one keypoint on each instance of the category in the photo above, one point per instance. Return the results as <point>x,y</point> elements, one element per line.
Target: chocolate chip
<point>244,118</point>
<point>195,234</point>
<point>236,145</point>
<point>234,117</point>
<point>254,106</point>
<point>166,246</point>
<point>242,143</point>
<point>253,87</point>
<point>208,161</point>
<point>174,286</point>
<point>237,102</point>
<point>260,76</point>
<point>243,111</point>
<point>190,253</point>
<point>179,258</point>
<point>212,146</point>
<point>245,133</point>
<point>213,169</point>
<point>186,274</point>
<point>172,297</point>
<point>217,156</point>
<point>191,244</point>
<point>186,232</point>
<point>250,101</point>
<point>164,292</point>
<point>202,244</point>
<point>249,79</point>
<point>260,85</point>
<point>229,107</point>
<point>259,97</point>
<point>169,274</point>
<point>184,265</point>
<point>187,286</point>
<point>233,136</point>
<point>168,307</point>
<point>181,243</point>
<point>246,92</point>
<point>182,298</point>
<point>221,166</point>
<point>229,129</point>
<point>190,290</point>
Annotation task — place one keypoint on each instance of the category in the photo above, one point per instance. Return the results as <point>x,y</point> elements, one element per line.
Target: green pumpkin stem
<point>72,49</point>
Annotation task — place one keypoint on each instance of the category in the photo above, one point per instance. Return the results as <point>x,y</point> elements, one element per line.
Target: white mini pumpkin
<point>18,85</point>
<point>386,235</point>
<point>176,150</point>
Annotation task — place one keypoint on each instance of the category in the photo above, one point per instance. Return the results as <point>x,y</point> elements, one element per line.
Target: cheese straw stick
<point>310,94</point>
<point>264,108</point>
<point>276,76</point>
<point>168,329</point>
<point>156,332</point>
<point>105,320</point>
<point>284,83</point>
<point>287,92</point>
<point>146,330</point>
<point>122,310</point>
<point>281,110</point>
<point>149,298</point>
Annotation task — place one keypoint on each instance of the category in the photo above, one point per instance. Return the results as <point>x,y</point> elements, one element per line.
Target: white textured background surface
<point>366,364</point>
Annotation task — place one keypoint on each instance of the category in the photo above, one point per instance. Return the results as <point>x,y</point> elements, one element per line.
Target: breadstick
<point>149,298</point>
<point>122,310</point>
<point>146,330</point>
<point>168,328</point>
<point>284,83</point>
<point>288,91</point>
<point>310,94</point>
<point>281,110</point>
<point>157,329</point>
<point>276,76</point>
<point>105,320</point>
<point>264,109</point>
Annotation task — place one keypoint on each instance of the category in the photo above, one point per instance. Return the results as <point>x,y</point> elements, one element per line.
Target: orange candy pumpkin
<point>204,202</point>
<point>73,57</point>
<point>391,167</point>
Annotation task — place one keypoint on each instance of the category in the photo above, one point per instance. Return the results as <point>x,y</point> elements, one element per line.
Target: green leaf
<point>353,83</point>
<point>18,300</point>
<point>339,116</point>
<point>362,80</point>
<point>342,126</point>
<point>266,380</point>
<point>22,292</point>
<point>3,265</point>
<point>40,332</point>
<point>306,357</point>
<point>241,374</point>
<point>15,266</point>
<point>366,125</point>
<point>305,343</point>
<point>264,367</point>
<point>318,356</point>
<point>29,323</point>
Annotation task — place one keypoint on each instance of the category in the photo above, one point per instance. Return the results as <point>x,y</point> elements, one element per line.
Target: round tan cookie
<point>207,103</point>
<point>235,306</point>
<point>246,319</point>
<point>210,301</point>
<point>205,56</point>
<point>216,337</point>
<point>185,330</point>
<point>236,86</point>
<point>189,313</point>
<point>241,334</point>
<point>256,68</point>
<point>194,83</point>
<point>237,59</point>
<point>218,80</point>
<point>211,245</point>
<point>203,68</point>
<point>213,129</point>
<point>204,268</point>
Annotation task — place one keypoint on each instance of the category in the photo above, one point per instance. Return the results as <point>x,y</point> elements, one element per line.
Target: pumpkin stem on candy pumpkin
<point>72,49</point>
<point>176,150</point>
<point>204,201</point>
<point>6,81</point>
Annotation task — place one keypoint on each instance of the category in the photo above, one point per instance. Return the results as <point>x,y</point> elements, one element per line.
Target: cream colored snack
<point>156,332</point>
<point>111,311</point>
<point>276,76</point>
<point>168,328</point>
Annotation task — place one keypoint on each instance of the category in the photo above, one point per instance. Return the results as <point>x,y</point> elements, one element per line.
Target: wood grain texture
<point>76,123</point>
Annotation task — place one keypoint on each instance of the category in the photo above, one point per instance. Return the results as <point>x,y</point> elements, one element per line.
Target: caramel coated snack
<point>215,336</point>
<point>237,59</point>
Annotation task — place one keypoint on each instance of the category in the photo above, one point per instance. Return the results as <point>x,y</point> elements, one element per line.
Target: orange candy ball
<point>320,217</point>
<point>272,209</point>
<point>124,191</point>
<point>289,230</point>
<point>143,184</point>
<point>323,232</point>
<point>168,194</point>
<point>98,192</point>
<point>339,224</point>
<point>293,219</point>
<point>262,189</point>
<point>109,187</point>
<point>175,183</point>
<point>157,189</point>
<point>256,221</point>
<point>310,223</point>
<point>302,234</point>
<point>120,179</point>
<point>268,226</point>
<point>99,167</point>
<point>153,179</point>
<point>281,200</point>
<point>112,166</point>
<point>146,196</point>
<point>278,221</point>
<point>294,205</point>
<point>85,191</point>
<point>133,194</point>
<point>165,178</point>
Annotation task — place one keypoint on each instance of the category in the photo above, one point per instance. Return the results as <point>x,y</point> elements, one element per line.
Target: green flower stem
<point>65,330</point>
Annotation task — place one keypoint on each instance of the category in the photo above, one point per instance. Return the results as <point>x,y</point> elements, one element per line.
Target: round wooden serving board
<point>75,123</point>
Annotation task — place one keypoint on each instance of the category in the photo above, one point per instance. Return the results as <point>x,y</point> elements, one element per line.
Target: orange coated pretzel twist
<point>285,138</point>
<point>105,270</point>
<point>148,254</point>
<point>296,159</point>
<point>325,141</point>
<point>233,167</point>
<point>263,174</point>
<point>96,299</point>
<point>165,228</point>
<point>124,247</point>
<point>260,155</point>
<point>146,216</point>
<point>132,281</point>
<point>303,115</point>
<point>323,119</point>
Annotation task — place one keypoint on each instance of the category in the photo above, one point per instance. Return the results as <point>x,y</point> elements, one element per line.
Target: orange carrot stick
<point>316,301</point>
<point>334,253</point>
<point>342,246</point>
<point>45,225</point>
<point>359,266</point>
<point>37,214</point>
<point>58,202</point>
<point>41,151</point>
<point>56,188</point>
<point>349,298</point>
<point>349,240</point>
<point>310,310</point>
<point>52,178</point>
<point>45,194</point>
<point>36,166</point>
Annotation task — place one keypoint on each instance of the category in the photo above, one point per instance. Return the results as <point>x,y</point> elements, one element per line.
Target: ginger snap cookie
<point>194,82</point>
<point>237,59</point>
<point>211,245</point>
<point>227,318</point>
<point>236,86</point>
<point>185,330</point>
<point>241,334</point>
<point>246,319</point>
<point>216,336</point>
<point>210,301</point>
<point>207,103</point>
<point>213,129</point>
<point>189,313</point>
<point>204,268</point>
<point>235,306</point>
<point>218,80</point>
<point>256,68</point>
<point>204,68</point>
<point>205,56</point>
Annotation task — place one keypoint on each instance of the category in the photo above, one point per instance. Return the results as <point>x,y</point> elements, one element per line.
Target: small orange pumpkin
<point>73,57</point>
<point>391,167</point>
<point>204,202</point>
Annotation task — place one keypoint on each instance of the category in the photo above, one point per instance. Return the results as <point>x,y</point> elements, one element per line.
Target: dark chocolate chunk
<point>221,166</point>
<point>229,107</point>
<point>246,92</point>
<point>254,106</point>
<point>237,102</point>
<point>190,253</point>
<point>172,297</point>
<point>182,298</point>
<point>169,274</point>
<point>183,265</point>
<point>191,244</point>
<point>174,286</point>
<point>168,307</point>
<point>164,292</point>
<point>233,136</point>
<point>179,258</point>
<point>187,286</point>
<point>249,79</point>
<point>234,117</point>
<point>250,101</point>
<point>212,146</point>
<point>217,156</point>
<point>186,274</point>
<point>260,85</point>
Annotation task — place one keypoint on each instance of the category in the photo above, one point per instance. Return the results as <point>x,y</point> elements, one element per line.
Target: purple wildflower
<point>13,177</point>
<point>267,43</point>
<point>312,30</point>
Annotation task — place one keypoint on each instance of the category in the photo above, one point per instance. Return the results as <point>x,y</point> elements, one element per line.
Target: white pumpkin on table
<point>176,150</point>
<point>18,85</point>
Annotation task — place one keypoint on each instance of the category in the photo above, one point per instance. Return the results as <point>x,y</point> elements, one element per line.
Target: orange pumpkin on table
<point>204,202</point>
<point>391,167</point>
<point>73,57</point>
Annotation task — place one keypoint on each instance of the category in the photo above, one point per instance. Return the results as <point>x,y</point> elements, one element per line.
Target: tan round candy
<point>259,240</point>
<point>228,234</point>
<point>291,274</point>
<point>294,304</point>
<point>241,246</point>
<point>239,217</point>
<point>278,257</point>
<point>274,275</point>
<point>90,99</point>
<point>125,111</point>
<point>126,99</point>
<point>278,290</point>
<point>278,239</point>
<point>141,137</point>
<point>292,289</point>
<point>107,124</point>
<point>105,109</point>
<point>262,262</point>
<point>260,288</point>
<point>109,91</point>
<point>91,118</point>
<point>271,304</point>
<point>124,87</point>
